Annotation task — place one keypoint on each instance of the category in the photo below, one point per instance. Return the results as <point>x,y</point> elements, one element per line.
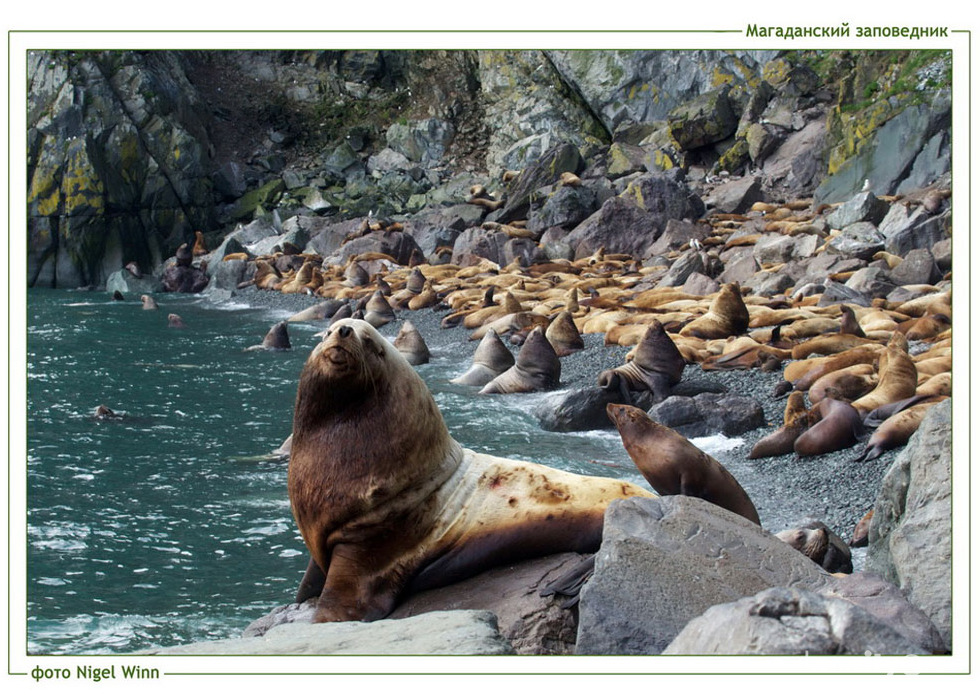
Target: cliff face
<point>132,152</point>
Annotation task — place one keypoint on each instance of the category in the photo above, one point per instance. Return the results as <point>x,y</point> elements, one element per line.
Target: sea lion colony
<point>852,363</point>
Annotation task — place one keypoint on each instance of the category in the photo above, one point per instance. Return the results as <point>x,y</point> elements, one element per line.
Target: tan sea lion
<point>491,359</point>
<point>537,368</point>
<point>897,378</point>
<point>859,539</point>
<point>727,315</point>
<point>199,247</point>
<point>389,504</point>
<point>795,423</point>
<point>563,335</point>
<point>377,310</point>
<point>834,425</point>
<point>174,321</point>
<point>149,303</point>
<point>674,466</point>
<point>410,343</point>
<point>656,366</point>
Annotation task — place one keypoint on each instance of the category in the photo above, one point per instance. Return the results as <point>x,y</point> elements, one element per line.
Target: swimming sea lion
<point>674,466</point>
<point>834,425</point>
<point>103,412</point>
<point>149,302</point>
<point>410,343</point>
<point>657,365</point>
<point>795,422</point>
<point>389,504</point>
<point>537,368</point>
<point>491,359</point>
<point>174,321</point>
<point>117,296</point>
<point>276,339</point>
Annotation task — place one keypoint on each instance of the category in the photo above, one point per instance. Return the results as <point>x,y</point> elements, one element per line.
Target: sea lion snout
<point>345,331</point>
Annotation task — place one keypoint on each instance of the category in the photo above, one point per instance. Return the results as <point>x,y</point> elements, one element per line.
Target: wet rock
<point>580,410</point>
<point>707,414</point>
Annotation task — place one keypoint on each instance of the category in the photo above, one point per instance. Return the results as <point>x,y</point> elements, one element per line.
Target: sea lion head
<point>351,355</point>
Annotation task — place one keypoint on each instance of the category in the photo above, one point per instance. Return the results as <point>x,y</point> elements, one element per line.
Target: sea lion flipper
<point>312,584</point>
<point>570,582</point>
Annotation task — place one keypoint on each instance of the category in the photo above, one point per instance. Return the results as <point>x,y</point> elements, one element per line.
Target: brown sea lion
<point>184,255</point>
<point>674,466</point>
<point>104,412</point>
<point>276,339</point>
<point>847,383</point>
<point>563,335</point>
<point>410,343</point>
<point>174,321</point>
<point>491,359</point>
<point>200,249</point>
<point>896,430</point>
<point>804,373</point>
<point>657,365</point>
<point>318,312</point>
<point>389,504</point>
<point>537,368</point>
<point>795,423</point>
<point>727,315</point>
<point>149,303</point>
<point>821,545</point>
<point>834,425</point>
<point>859,539</point>
<point>848,322</point>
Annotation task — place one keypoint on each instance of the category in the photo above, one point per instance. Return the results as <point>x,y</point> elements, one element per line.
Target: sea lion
<point>657,365</point>
<point>117,296</point>
<point>834,425</point>
<point>847,383</point>
<point>491,359</point>
<point>674,466</point>
<point>103,412</point>
<point>184,255</point>
<point>200,249</point>
<point>317,312</point>
<point>859,539</point>
<point>276,339</point>
<point>174,321</point>
<point>821,545</point>
<point>896,430</point>
<point>795,423</point>
<point>377,310</point>
<point>726,316</point>
<point>563,335</point>
<point>537,368</point>
<point>149,303</point>
<point>897,378</point>
<point>389,504</point>
<point>410,343</point>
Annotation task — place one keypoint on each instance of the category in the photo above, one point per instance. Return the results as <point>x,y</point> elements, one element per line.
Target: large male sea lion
<point>674,466</point>
<point>389,504</point>
<point>657,365</point>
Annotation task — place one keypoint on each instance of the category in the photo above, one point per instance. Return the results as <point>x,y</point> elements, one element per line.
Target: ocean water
<point>172,524</point>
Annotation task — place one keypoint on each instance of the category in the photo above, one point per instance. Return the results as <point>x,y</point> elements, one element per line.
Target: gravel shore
<point>786,490</point>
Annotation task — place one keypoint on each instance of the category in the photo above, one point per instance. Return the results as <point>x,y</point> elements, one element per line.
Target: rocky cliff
<point>132,152</point>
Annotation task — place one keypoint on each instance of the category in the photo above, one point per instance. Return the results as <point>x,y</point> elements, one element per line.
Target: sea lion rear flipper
<point>571,582</point>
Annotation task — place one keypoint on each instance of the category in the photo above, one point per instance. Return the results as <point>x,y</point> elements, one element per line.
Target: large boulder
<point>785,620</point>
<point>909,542</point>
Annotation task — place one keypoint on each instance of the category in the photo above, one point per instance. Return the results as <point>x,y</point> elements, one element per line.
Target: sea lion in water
<point>834,425</point>
<point>149,303</point>
<point>411,344</point>
<point>276,339</point>
<point>657,365</point>
<point>674,466</point>
<point>821,545</point>
<point>491,359</point>
<point>389,504</point>
<point>795,422</point>
<point>174,321</point>
<point>537,368</point>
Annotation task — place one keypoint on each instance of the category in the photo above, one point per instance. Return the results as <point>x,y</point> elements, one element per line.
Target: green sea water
<point>171,524</point>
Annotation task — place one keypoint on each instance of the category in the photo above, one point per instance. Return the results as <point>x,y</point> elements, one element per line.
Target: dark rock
<point>566,207</point>
<point>864,207</point>
<point>859,240</point>
<point>688,263</point>
<point>707,414</point>
<point>837,293</point>
<point>677,235</point>
<point>398,245</point>
<point>904,231</point>
<point>917,268</point>
<point>477,242</point>
<point>871,282</point>
<point>177,278</point>
<point>583,409</point>
<point>704,120</point>
<point>543,172</point>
